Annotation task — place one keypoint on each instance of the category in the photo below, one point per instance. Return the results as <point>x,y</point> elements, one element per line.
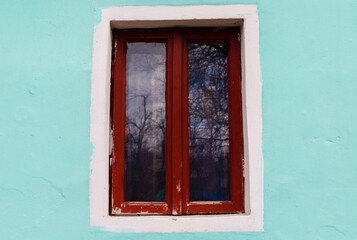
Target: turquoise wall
<point>309,70</point>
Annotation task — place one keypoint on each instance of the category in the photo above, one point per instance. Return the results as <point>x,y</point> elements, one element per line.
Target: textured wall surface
<point>308,57</point>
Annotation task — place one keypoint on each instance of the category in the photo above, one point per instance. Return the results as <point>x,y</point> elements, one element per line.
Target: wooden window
<point>176,122</point>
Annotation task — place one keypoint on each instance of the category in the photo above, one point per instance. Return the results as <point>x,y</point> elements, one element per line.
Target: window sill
<point>188,223</point>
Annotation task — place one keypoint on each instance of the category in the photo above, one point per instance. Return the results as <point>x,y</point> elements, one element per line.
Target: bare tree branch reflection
<point>208,122</point>
<point>146,129</point>
<point>145,123</point>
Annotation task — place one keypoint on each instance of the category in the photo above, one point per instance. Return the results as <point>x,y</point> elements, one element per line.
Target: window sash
<point>117,204</point>
<point>236,204</point>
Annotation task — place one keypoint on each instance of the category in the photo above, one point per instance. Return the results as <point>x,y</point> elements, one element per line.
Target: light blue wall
<point>309,68</point>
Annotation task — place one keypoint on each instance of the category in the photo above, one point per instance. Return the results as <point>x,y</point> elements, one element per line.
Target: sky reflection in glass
<point>145,122</point>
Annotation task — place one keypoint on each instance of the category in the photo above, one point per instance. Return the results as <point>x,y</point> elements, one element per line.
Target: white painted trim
<point>245,16</point>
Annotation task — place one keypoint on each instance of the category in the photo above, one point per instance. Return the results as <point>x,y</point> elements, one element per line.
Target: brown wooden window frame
<point>177,163</point>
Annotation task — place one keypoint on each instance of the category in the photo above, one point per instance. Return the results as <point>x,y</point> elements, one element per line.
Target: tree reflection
<point>146,129</point>
<point>145,123</point>
<point>208,122</point>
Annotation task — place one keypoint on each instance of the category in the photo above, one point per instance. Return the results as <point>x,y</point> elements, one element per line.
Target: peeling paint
<point>208,202</point>
<point>178,187</point>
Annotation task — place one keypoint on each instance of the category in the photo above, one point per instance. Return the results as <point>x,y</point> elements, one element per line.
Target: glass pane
<point>208,122</point>
<point>145,122</point>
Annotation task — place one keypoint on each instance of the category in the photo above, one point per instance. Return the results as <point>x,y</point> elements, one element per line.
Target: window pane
<point>208,122</point>
<point>145,122</point>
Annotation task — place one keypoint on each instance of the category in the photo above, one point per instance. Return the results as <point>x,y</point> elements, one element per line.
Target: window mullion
<point>177,123</point>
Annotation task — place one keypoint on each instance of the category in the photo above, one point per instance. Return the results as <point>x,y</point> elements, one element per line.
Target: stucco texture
<point>308,53</point>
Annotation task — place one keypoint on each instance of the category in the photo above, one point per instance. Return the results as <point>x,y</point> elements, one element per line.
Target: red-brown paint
<point>118,206</point>
<point>177,159</point>
<point>235,123</point>
<point>118,119</point>
<point>177,124</point>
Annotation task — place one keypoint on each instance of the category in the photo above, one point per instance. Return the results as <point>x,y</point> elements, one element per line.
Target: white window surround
<point>245,16</point>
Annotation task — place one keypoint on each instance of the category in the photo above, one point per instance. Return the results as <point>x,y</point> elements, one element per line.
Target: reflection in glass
<point>145,122</point>
<point>208,122</point>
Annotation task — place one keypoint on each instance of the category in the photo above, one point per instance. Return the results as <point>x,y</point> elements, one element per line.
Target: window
<point>158,17</point>
<point>177,123</point>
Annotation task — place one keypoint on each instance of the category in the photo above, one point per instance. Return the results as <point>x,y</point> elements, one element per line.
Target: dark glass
<point>208,122</point>
<point>145,122</point>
